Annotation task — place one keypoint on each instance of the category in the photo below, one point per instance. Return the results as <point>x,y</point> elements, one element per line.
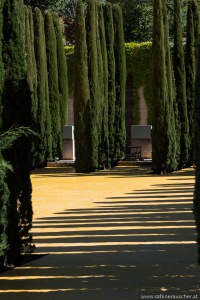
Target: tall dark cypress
<point>196,205</point>
<point>104,142</point>
<point>91,37</point>
<point>109,30</point>
<point>62,71</point>
<point>44,118</point>
<point>54,96</point>
<point>180,83</point>
<point>120,82</point>
<point>32,79</point>
<point>159,129</point>
<point>4,191</point>
<point>190,65</point>
<point>1,62</point>
<point>196,141</point>
<point>17,110</point>
<point>170,108</point>
<point>81,94</point>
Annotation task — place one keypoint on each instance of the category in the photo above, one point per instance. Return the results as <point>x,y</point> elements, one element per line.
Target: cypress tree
<point>44,118</point>
<point>190,65</point>
<point>91,37</point>
<point>196,204</point>
<point>159,129</point>
<point>17,109</point>
<point>4,191</point>
<point>81,94</point>
<point>62,71</point>
<point>120,82</point>
<point>32,78</point>
<point>4,207</point>
<point>170,109</point>
<point>109,31</point>
<point>103,79</point>
<point>1,62</point>
<point>54,96</point>
<point>180,83</point>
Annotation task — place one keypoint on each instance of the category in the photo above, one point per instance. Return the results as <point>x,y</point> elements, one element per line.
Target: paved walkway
<point>113,235</point>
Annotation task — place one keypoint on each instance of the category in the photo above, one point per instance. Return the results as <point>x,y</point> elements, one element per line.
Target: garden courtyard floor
<point>117,234</point>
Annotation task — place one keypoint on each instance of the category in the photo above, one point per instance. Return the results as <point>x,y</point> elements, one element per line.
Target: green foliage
<point>190,65</point>
<point>32,78</point>
<point>44,117</point>
<point>170,109</point>
<point>103,79</point>
<point>1,62</point>
<point>139,65</point>
<point>62,71</point>
<point>54,96</point>
<point>91,37</point>
<point>69,52</point>
<point>196,204</point>
<point>180,83</point>
<point>120,83</point>
<point>81,94</point>
<point>109,31</point>
<point>7,140</point>
<point>159,134</point>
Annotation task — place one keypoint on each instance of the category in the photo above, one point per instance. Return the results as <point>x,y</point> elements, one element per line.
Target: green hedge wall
<point>139,66</point>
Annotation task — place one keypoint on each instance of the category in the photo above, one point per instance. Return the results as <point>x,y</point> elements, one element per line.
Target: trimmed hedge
<point>139,66</point>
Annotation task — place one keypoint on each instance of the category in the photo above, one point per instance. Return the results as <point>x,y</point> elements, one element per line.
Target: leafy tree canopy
<point>137,15</point>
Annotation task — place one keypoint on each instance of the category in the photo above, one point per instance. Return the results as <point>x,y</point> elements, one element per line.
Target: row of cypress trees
<point>33,94</point>
<point>173,88</point>
<point>99,86</point>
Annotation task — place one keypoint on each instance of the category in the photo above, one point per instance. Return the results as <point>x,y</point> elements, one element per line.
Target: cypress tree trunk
<point>44,118</point>
<point>180,82</point>
<point>62,71</point>
<point>159,129</point>
<point>170,109</point>
<point>109,31</point>
<point>104,143</point>
<point>81,94</point>
<point>190,65</point>
<point>120,82</point>
<point>54,96</point>
<point>32,79</point>
<point>17,110</point>
<point>91,36</point>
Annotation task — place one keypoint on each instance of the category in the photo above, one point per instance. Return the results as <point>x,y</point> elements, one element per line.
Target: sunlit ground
<point>110,235</point>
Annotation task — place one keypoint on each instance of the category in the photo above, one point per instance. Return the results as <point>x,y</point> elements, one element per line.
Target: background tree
<point>103,78</point>
<point>170,105</point>
<point>180,83</point>
<point>44,118</point>
<point>159,129</point>
<point>190,65</point>
<point>120,82</point>
<point>109,31</point>
<point>91,37</point>
<point>32,79</point>
<point>54,96</point>
<point>62,71</point>
<point>81,94</point>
